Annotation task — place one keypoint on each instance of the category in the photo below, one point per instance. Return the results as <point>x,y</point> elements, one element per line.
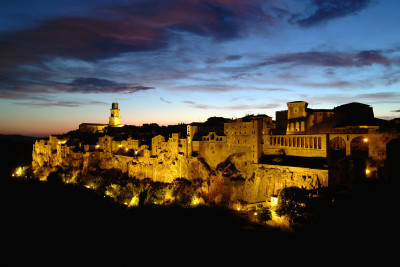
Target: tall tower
<point>115,120</point>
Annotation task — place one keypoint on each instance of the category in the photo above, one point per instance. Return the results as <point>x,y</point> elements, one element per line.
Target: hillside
<point>48,219</point>
<point>52,221</point>
<point>16,150</point>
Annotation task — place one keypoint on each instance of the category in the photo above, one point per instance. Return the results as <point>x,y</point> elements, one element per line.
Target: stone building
<point>299,119</point>
<point>304,147</point>
<point>245,136</point>
<point>114,121</point>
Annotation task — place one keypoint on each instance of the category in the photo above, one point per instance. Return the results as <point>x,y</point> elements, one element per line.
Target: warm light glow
<point>134,202</point>
<point>365,140</point>
<point>18,172</point>
<point>196,201</point>
<point>97,146</point>
<point>367,171</point>
<point>126,149</point>
<point>119,145</point>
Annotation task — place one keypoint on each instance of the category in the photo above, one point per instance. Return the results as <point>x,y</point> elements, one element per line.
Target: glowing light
<point>126,149</point>
<point>196,201</point>
<point>365,140</point>
<point>367,171</point>
<point>134,201</point>
<point>255,213</point>
<point>97,146</point>
<point>18,172</point>
<point>119,145</point>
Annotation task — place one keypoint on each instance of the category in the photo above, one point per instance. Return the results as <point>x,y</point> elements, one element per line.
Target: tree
<point>264,215</point>
<point>287,203</point>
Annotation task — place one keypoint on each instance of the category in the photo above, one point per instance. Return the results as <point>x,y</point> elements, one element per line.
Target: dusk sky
<point>181,61</point>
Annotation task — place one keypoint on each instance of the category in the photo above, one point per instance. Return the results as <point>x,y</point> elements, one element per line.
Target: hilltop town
<point>244,160</point>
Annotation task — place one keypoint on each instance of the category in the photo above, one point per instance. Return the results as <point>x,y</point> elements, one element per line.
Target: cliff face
<point>233,179</point>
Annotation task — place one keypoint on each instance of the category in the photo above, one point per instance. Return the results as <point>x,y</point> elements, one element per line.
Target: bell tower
<point>115,120</point>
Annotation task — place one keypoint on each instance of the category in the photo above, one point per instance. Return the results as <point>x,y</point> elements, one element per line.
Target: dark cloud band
<point>326,10</point>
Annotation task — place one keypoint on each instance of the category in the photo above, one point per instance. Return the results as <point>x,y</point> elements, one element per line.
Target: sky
<point>63,63</point>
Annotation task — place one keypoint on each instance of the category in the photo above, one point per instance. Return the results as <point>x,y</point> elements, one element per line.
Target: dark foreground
<point>54,224</point>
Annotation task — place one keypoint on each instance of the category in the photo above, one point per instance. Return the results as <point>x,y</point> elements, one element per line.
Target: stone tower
<point>297,116</point>
<point>115,120</point>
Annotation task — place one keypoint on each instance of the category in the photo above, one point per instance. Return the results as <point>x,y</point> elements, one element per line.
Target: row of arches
<point>296,126</point>
<point>349,159</point>
<point>313,142</point>
<point>358,146</point>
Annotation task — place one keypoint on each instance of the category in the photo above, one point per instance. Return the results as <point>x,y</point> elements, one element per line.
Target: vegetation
<point>264,215</point>
<point>289,203</point>
<point>130,191</point>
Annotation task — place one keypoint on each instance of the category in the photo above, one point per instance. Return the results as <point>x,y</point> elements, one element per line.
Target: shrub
<point>264,215</point>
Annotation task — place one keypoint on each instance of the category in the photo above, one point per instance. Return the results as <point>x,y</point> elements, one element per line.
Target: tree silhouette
<point>264,215</point>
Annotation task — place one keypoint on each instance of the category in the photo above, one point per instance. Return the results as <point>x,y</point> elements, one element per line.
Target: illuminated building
<point>306,148</point>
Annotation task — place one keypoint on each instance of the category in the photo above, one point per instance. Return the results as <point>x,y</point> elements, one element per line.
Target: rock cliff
<point>233,179</point>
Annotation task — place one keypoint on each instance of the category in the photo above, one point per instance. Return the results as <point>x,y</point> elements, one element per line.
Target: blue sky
<point>174,61</point>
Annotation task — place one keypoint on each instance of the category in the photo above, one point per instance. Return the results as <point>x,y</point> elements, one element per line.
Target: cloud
<point>233,57</point>
<point>223,59</point>
<point>96,85</point>
<point>332,59</point>
<point>369,98</point>
<point>326,10</point>
<point>395,110</point>
<point>123,28</point>
<point>206,88</point>
<point>88,39</point>
<point>232,107</point>
<point>380,96</point>
<point>34,88</point>
<point>165,101</point>
<point>335,84</point>
<point>58,103</point>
